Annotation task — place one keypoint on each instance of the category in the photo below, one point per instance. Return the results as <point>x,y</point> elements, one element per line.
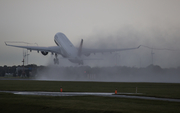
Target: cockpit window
<point>55,40</point>
<point>56,37</point>
<point>56,43</point>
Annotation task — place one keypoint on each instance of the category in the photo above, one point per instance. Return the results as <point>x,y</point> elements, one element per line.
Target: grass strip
<point>163,90</point>
<point>85,104</point>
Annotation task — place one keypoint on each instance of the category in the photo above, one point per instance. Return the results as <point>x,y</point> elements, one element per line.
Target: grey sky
<point>124,23</point>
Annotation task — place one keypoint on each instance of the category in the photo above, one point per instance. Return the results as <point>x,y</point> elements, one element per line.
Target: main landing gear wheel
<point>81,64</point>
<point>56,60</point>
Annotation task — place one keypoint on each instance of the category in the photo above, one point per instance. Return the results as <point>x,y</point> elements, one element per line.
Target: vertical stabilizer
<point>80,48</point>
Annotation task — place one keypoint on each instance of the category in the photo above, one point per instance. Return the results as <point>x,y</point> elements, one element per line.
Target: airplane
<point>67,50</point>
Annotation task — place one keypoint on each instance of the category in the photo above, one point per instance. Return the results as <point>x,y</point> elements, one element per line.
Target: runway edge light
<point>116,91</point>
<point>61,89</point>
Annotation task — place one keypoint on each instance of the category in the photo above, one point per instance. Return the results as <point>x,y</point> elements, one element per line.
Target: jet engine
<point>44,53</point>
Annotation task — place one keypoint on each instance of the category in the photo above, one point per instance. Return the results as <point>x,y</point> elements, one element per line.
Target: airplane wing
<point>52,49</point>
<point>89,51</point>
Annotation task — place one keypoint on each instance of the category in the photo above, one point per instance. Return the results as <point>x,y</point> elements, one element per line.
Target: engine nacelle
<point>44,53</point>
<point>87,54</point>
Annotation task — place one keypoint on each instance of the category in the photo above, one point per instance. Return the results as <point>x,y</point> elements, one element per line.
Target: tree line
<point>32,70</point>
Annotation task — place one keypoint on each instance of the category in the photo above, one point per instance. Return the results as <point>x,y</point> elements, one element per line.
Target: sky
<point>101,23</point>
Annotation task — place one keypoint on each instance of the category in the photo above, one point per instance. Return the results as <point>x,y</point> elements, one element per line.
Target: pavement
<point>119,95</point>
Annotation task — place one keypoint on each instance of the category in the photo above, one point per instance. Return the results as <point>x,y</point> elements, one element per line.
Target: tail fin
<point>80,48</point>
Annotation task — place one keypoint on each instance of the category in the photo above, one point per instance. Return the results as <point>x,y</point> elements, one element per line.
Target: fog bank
<point>152,73</point>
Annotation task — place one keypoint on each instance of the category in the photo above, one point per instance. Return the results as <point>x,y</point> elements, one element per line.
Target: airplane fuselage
<point>67,48</point>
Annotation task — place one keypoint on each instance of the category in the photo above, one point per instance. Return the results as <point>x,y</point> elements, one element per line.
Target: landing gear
<point>56,60</point>
<point>81,63</point>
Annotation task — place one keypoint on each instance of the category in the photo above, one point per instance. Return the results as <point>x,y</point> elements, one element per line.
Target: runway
<point>119,95</point>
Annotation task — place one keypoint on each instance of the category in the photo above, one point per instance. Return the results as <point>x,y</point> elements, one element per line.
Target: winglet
<point>5,43</point>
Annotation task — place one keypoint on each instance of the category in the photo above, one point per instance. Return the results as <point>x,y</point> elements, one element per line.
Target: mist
<point>124,66</point>
<point>151,73</point>
<point>164,41</point>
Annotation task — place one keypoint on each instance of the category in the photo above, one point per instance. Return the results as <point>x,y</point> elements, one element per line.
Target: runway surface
<point>120,95</point>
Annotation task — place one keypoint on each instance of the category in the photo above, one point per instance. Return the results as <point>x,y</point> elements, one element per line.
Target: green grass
<point>88,104</point>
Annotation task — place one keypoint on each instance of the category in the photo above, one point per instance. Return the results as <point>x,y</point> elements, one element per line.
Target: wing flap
<point>88,51</point>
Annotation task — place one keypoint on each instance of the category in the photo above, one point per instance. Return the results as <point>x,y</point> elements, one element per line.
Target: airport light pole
<point>117,58</point>
<point>152,55</point>
<point>27,56</point>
